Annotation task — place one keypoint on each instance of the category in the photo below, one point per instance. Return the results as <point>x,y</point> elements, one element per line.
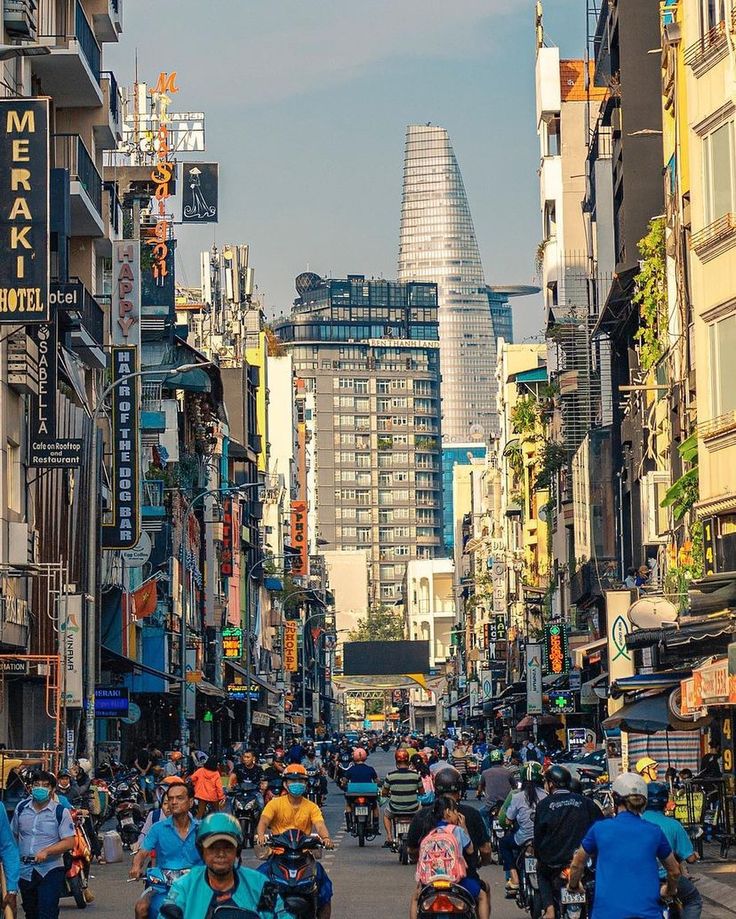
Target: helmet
<point>628,785</point>
<point>575,785</point>
<point>173,780</point>
<point>359,755</point>
<point>294,771</point>
<point>647,767</point>
<point>63,774</point>
<point>558,776</point>
<point>219,826</point>
<point>402,756</point>
<point>532,772</point>
<point>84,764</point>
<point>658,794</point>
<point>175,756</point>
<point>447,781</point>
<point>496,756</point>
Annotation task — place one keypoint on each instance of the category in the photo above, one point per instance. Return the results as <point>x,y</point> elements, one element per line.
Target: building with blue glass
<point>501,311</point>
<point>454,455</point>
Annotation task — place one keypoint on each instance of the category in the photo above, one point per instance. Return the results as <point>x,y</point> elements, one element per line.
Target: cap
<point>629,784</point>
<point>218,837</point>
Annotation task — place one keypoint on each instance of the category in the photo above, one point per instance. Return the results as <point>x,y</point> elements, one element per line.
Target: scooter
<point>363,798</point>
<point>528,897</point>
<point>77,862</point>
<point>472,776</point>
<point>292,867</point>
<point>159,880</point>
<point>129,812</point>
<point>400,827</point>
<point>443,898</point>
<point>246,808</point>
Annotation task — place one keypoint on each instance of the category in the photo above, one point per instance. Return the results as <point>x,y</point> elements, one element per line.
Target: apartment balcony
<point>714,239</point>
<point>112,212</point>
<point>71,73</point>
<point>109,132</point>
<point>107,18</point>
<point>84,321</point>
<point>710,48</point>
<point>85,186</point>
<point>20,18</point>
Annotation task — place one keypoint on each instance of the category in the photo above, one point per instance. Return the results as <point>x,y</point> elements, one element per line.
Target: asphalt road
<point>369,883</point>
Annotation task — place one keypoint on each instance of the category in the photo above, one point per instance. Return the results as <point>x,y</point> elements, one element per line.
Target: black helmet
<point>558,776</point>
<point>575,785</point>
<point>447,781</point>
<point>658,794</point>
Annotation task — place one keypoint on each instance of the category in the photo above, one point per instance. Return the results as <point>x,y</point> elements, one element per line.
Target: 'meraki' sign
<point>24,211</point>
<point>124,530</point>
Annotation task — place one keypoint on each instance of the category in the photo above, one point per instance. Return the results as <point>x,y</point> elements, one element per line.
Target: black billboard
<point>124,530</point>
<point>199,193</point>
<point>385,658</point>
<point>24,211</point>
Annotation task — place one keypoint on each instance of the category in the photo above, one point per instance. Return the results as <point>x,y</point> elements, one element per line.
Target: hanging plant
<point>683,494</point>
<point>651,296</point>
<point>524,415</point>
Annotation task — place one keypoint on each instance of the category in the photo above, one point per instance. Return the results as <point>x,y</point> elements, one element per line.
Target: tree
<point>381,624</point>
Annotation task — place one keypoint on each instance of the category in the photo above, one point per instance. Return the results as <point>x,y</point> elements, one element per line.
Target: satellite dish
<point>653,613</point>
<point>477,433</point>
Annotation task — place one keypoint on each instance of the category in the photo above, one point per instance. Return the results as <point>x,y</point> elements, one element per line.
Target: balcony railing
<point>71,154</point>
<point>711,45</point>
<point>64,20</point>
<point>716,232</point>
<point>114,94</point>
<point>116,208</point>
<point>90,315</point>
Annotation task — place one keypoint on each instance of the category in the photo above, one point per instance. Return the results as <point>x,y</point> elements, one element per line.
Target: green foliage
<point>684,493</point>
<point>651,296</point>
<point>686,565</point>
<point>553,458</point>
<point>381,624</point>
<point>525,415</point>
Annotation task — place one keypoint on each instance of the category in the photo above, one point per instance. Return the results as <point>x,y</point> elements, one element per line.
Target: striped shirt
<point>403,787</point>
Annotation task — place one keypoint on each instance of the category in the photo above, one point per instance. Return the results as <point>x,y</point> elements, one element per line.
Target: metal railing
<point>709,44</point>
<point>116,207</point>
<point>72,154</point>
<point>91,315</point>
<point>64,20</point>
<point>715,232</point>
<point>114,94</point>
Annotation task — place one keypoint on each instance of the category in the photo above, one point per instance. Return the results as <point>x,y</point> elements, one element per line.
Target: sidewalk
<point>716,881</point>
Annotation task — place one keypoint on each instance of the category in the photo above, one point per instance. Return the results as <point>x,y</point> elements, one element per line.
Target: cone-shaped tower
<point>437,243</point>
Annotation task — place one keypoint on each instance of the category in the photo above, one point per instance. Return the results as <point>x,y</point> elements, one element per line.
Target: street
<point>369,883</point>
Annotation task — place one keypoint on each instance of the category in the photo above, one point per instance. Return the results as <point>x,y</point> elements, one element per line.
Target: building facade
<point>437,244</point>
<point>367,354</point>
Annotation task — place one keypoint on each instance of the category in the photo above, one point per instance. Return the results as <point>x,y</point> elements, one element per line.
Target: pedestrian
<point>10,859</point>
<point>208,790</point>
<point>628,851</point>
<point>143,765</point>
<point>44,831</point>
<point>630,579</point>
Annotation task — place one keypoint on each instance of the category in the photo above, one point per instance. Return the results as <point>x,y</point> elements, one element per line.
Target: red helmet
<point>359,755</point>
<point>402,756</point>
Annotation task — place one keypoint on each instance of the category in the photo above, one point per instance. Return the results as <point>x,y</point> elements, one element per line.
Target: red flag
<point>143,600</point>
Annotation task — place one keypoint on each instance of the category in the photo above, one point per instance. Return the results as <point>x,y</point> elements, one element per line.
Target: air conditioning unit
<point>654,517</point>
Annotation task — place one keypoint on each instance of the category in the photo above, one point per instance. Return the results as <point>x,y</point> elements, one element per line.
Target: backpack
<point>440,856</point>
<point>27,803</point>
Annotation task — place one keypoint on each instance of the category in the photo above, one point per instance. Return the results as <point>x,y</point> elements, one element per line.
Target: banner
<point>534,678</point>
<point>199,193</point>
<point>620,658</point>
<point>232,643</point>
<point>24,211</point>
<point>300,562</point>
<point>555,649</point>
<point>70,638</point>
<point>226,553</point>
<point>44,449</point>
<point>124,531</point>
<point>125,316</point>
<point>291,650</point>
<point>191,663</point>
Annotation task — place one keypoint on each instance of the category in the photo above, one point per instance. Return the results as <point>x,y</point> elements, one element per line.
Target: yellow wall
<point>256,357</point>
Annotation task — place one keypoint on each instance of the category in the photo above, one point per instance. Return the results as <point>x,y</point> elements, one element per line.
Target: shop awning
<point>209,689</point>
<point>118,663</point>
<point>527,722</point>
<point>665,680</point>
<point>253,678</point>
<point>649,715</point>
<point>583,651</point>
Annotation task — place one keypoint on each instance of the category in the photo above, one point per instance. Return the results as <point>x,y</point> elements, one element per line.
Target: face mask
<point>41,794</point>
<point>296,788</point>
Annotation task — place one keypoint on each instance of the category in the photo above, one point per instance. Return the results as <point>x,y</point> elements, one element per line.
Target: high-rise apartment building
<point>367,352</point>
<point>437,243</point>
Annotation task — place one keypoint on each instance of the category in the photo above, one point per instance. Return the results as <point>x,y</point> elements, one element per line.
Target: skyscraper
<point>437,243</point>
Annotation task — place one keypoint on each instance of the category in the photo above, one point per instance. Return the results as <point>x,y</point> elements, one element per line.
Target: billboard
<point>24,207</point>
<point>300,562</point>
<point>620,658</point>
<point>367,658</point>
<point>199,193</point>
<point>555,648</point>
<point>534,678</point>
<point>125,318</point>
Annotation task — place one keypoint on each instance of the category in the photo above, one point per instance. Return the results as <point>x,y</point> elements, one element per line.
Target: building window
<point>363,534</point>
<point>712,14</point>
<point>363,498</point>
<point>13,475</point>
<point>550,219</point>
<point>552,137</point>
<point>719,172</point>
<point>361,386</point>
<point>722,336</point>
<point>362,460</point>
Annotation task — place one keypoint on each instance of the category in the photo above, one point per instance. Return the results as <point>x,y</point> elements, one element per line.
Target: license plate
<point>530,865</point>
<point>361,811</point>
<point>570,896</point>
<point>402,829</point>
<point>497,828</point>
<point>126,821</point>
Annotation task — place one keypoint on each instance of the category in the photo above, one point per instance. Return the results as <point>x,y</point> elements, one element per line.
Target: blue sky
<point>307,102</point>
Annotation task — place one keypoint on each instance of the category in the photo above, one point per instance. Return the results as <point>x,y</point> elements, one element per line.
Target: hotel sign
<point>291,650</point>
<point>124,531</point>
<point>24,211</point>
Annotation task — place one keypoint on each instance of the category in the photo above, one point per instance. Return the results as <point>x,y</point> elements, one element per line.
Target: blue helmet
<point>658,794</point>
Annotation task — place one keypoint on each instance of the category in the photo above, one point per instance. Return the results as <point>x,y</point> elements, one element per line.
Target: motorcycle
<point>400,827</point>
<point>363,797</point>
<point>292,867</point>
<point>159,880</point>
<point>314,788</point>
<point>472,776</point>
<point>129,811</point>
<point>528,897</point>
<point>570,904</point>
<point>246,808</point>
<point>77,863</point>
<point>443,898</point>
<point>497,832</point>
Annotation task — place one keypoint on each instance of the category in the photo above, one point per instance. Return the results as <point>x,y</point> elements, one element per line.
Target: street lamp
<point>10,51</point>
<point>226,490</point>
<point>92,523</point>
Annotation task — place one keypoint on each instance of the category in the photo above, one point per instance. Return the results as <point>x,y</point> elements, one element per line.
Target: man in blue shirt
<point>173,842</point>
<point>626,851</point>
<point>44,831</point>
<point>681,845</point>
<point>10,859</point>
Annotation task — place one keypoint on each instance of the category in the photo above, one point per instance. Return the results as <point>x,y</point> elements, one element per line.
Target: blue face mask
<point>40,794</point>
<point>296,788</point>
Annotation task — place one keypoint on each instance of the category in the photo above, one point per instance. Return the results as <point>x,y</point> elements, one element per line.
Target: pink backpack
<point>440,856</point>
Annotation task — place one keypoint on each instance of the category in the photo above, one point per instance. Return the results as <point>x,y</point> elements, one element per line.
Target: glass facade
<point>501,316</point>
<point>451,457</point>
<point>437,243</point>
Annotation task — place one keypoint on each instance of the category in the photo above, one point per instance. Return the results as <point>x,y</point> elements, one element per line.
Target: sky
<point>307,103</point>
